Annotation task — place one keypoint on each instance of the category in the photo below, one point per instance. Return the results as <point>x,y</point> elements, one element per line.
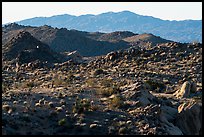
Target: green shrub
<point>62,122</point>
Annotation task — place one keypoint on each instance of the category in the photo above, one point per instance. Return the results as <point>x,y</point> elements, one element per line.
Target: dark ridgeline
<point>86,43</point>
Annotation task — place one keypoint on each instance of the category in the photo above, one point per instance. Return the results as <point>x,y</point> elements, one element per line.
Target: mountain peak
<point>22,41</point>
<point>22,36</point>
<point>127,12</point>
<point>12,26</point>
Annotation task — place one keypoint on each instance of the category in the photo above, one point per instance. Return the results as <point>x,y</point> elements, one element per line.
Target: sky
<point>16,11</point>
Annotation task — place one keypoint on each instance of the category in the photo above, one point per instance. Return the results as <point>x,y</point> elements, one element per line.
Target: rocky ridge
<point>86,43</point>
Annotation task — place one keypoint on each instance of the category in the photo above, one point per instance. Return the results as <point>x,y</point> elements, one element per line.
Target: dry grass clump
<point>91,82</point>
<point>116,102</point>
<point>58,82</point>
<point>107,91</point>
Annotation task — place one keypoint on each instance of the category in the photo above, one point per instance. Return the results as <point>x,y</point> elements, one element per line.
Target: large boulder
<point>75,56</point>
<point>186,89</point>
<point>143,96</point>
<point>167,116</point>
<point>189,118</point>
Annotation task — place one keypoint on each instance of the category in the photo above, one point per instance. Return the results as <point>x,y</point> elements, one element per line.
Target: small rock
<point>83,124</point>
<point>129,122</point>
<point>6,107</point>
<point>67,112</point>
<point>15,102</point>
<point>25,102</point>
<point>75,115</point>
<point>45,102</point>
<point>122,130</point>
<point>62,102</point>
<point>93,125</point>
<point>10,111</point>
<point>95,121</point>
<point>51,105</point>
<point>37,104</point>
<point>59,109</point>
<point>146,126</point>
<point>41,101</point>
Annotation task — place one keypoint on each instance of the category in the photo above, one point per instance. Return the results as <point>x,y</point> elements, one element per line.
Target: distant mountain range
<point>180,31</point>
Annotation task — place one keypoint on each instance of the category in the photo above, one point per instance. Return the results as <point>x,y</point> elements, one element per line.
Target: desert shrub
<point>81,105</point>
<point>108,91</point>
<point>107,82</point>
<point>58,82</point>
<point>179,54</point>
<point>116,102</point>
<point>30,84</point>
<point>154,85</point>
<point>99,71</point>
<point>91,82</point>
<point>122,83</point>
<point>108,87</point>
<point>69,78</point>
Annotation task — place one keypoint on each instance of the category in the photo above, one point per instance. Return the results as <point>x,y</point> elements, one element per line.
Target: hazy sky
<point>16,11</point>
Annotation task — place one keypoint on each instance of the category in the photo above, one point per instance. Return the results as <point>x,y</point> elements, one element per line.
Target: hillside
<point>180,31</point>
<point>135,91</point>
<point>86,43</point>
<point>70,82</point>
<point>24,48</point>
<point>145,39</point>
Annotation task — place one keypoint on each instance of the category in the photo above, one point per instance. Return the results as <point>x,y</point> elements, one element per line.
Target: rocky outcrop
<point>75,56</point>
<point>189,118</point>
<point>186,89</point>
<point>135,93</point>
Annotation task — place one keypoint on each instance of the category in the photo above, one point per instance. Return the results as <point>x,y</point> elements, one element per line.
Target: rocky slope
<point>149,90</point>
